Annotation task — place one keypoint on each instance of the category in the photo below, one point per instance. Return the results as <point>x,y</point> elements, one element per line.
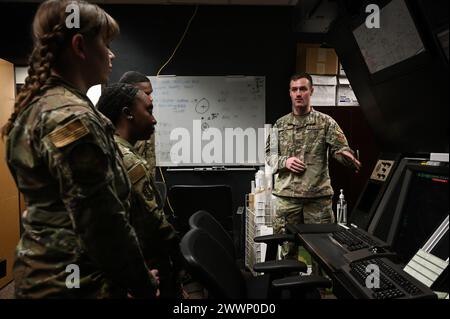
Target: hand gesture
<point>295,165</point>
<point>349,157</point>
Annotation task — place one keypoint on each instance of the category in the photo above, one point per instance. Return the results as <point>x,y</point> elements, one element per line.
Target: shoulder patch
<point>136,173</point>
<point>69,133</point>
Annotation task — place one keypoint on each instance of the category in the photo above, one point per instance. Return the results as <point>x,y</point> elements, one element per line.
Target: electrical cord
<point>181,40</point>
<point>157,74</point>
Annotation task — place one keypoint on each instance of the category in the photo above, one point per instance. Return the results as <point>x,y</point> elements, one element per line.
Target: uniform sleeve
<point>152,155</point>
<point>146,149</point>
<point>148,219</point>
<point>273,156</point>
<point>79,156</point>
<point>337,142</point>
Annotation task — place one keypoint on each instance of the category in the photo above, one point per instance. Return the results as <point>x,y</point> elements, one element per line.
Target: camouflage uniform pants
<point>301,211</point>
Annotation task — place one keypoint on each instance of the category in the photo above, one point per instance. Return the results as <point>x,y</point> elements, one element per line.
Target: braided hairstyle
<point>133,77</point>
<point>114,98</point>
<point>50,37</point>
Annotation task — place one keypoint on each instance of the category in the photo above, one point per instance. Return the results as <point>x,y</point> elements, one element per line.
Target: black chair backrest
<point>188,199</point>
<point>210,264</point>
<point>205,221</point>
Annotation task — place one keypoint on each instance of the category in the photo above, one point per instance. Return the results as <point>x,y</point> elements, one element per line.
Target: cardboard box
<point>324,90</point>
<point>324,95</point>
<point>315,60</point>
<point>301,50</point>
<point>324,80</point>
<point>342,80</point>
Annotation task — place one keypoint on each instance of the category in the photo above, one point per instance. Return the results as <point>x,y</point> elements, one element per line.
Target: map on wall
<point>396,40</point>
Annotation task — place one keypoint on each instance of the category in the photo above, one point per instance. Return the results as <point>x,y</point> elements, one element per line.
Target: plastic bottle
<point>259,181</point>
<point>342,209</point>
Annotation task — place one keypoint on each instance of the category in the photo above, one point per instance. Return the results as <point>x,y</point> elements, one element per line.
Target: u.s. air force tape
<point>136,173</point>
<point>69,133</point>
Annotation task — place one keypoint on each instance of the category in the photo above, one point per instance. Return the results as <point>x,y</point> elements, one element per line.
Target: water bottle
<point>342,209</point>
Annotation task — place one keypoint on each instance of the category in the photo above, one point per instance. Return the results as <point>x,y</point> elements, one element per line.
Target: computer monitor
<point>381,222</point>
<point>374,189</point>
<point>422,206</point>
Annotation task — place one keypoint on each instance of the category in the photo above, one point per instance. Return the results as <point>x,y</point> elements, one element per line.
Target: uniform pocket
<point>315,141</point>
<point>285,140</point>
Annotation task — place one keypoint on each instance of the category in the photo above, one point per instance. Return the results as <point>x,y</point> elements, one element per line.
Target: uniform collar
<point>55,80</point>
<point>301,120</point>
<point>120,140</point>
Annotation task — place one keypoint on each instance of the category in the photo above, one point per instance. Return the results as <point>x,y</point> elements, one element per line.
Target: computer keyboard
<point>393,281</point>
<point>354,239</point>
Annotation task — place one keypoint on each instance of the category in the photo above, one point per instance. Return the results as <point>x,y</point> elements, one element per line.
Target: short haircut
<point>114,98</point>
<point>303,75</point>
<point>133,77</point>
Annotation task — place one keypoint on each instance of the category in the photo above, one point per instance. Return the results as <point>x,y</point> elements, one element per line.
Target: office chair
<point>203,220</point>
<point>210,264</point>
<point>188,199</point>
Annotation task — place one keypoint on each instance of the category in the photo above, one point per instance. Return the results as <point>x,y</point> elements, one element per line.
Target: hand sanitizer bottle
<point>342,209</point>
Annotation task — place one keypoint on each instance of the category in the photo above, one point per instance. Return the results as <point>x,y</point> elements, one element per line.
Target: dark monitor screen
<point>382,221</point>
<point>422,207</point>
<point>370,194</point>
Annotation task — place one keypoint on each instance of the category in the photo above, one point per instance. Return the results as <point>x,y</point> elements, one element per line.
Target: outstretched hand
<point>349,157</point>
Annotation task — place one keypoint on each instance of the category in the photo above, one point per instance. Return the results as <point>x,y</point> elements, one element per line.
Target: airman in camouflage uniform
<point>306,138</point>
<point>64,160</point>
<point>146,148</point>
<point>157,237</point>
<point>77,240</point>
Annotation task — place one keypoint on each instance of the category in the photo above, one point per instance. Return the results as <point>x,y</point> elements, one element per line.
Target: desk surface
<point>316,239</point>
<point>327,252</point>
<point>331,258</point>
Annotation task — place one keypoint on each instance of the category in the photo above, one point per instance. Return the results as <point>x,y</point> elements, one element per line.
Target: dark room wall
<point>222,40</point>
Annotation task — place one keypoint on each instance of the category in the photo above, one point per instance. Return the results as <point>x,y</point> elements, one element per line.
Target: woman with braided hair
<point>77,240</point>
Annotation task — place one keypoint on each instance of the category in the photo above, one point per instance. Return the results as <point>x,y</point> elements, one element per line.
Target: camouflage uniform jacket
<point>62,155</point>
<point>155,233</point>
<point>311,137</point>
<point>146,149</point>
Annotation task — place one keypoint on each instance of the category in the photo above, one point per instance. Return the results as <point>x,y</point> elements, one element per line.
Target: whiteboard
<point>396,40</point>
<point>210,109</point>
